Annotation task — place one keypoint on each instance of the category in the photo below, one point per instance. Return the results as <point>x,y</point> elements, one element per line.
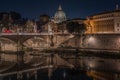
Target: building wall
<point>102,41</point>
<point>95,41</point>
<point>117,22</point>
<point>104,23</point>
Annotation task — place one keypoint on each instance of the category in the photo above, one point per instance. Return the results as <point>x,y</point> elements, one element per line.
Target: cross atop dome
<point>60,8</point>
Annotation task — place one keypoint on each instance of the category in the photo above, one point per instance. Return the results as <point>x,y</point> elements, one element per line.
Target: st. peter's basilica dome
<point>59,15</point>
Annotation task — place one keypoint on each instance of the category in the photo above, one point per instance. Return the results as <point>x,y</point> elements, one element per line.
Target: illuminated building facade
<point>106,22</point>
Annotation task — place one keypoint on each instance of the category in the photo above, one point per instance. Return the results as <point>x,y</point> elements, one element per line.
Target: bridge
<point>58,48</point>
<point>48,37</point>
<point>60,39</point>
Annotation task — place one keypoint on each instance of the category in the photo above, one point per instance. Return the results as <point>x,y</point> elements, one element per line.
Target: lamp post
<point>0,50</point>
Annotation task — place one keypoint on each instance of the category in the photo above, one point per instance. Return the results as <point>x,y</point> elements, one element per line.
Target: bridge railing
<point>43,33</point>
<point>34,33</point>
<point>26,70</point>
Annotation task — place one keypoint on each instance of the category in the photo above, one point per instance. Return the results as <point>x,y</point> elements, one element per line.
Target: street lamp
<point>0,50</point>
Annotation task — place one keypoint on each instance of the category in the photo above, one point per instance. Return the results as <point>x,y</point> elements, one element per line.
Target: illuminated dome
<point>59,15</point>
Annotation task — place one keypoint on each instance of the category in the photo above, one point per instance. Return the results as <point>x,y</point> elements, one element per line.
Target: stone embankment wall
<point>98,41</point>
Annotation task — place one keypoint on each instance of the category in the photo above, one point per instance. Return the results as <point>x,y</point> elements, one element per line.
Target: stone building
<point>105,22</point>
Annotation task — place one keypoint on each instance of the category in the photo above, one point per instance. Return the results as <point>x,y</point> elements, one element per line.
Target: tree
<point>15,15</point>
<point>71,26</point>
<point>8,18</point>
<point>43,19</point>
<point>75,27</point>
<point>81,28</point>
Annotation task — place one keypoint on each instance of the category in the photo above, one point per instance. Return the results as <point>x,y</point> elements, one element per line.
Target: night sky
<point>73,8</point>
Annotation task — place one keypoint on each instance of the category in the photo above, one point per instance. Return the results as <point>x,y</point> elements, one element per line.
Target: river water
<point>57,74</point>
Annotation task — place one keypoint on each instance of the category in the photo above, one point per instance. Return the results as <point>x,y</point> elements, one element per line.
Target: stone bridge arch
<point>70,41</point>
<point>61,39</point>
<point>67,43</point>
<point>36,42</point>
<point>21,39</point>
<point>7,44</point>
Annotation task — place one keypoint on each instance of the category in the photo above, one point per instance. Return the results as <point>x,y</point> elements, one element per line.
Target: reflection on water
<point>70,74</point>
<point>96,66</point>
<point>57,74</point>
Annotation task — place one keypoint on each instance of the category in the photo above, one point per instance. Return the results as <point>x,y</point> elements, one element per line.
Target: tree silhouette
<point>71,26</point>
<point>75,27</point>
<point>15,15</point>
